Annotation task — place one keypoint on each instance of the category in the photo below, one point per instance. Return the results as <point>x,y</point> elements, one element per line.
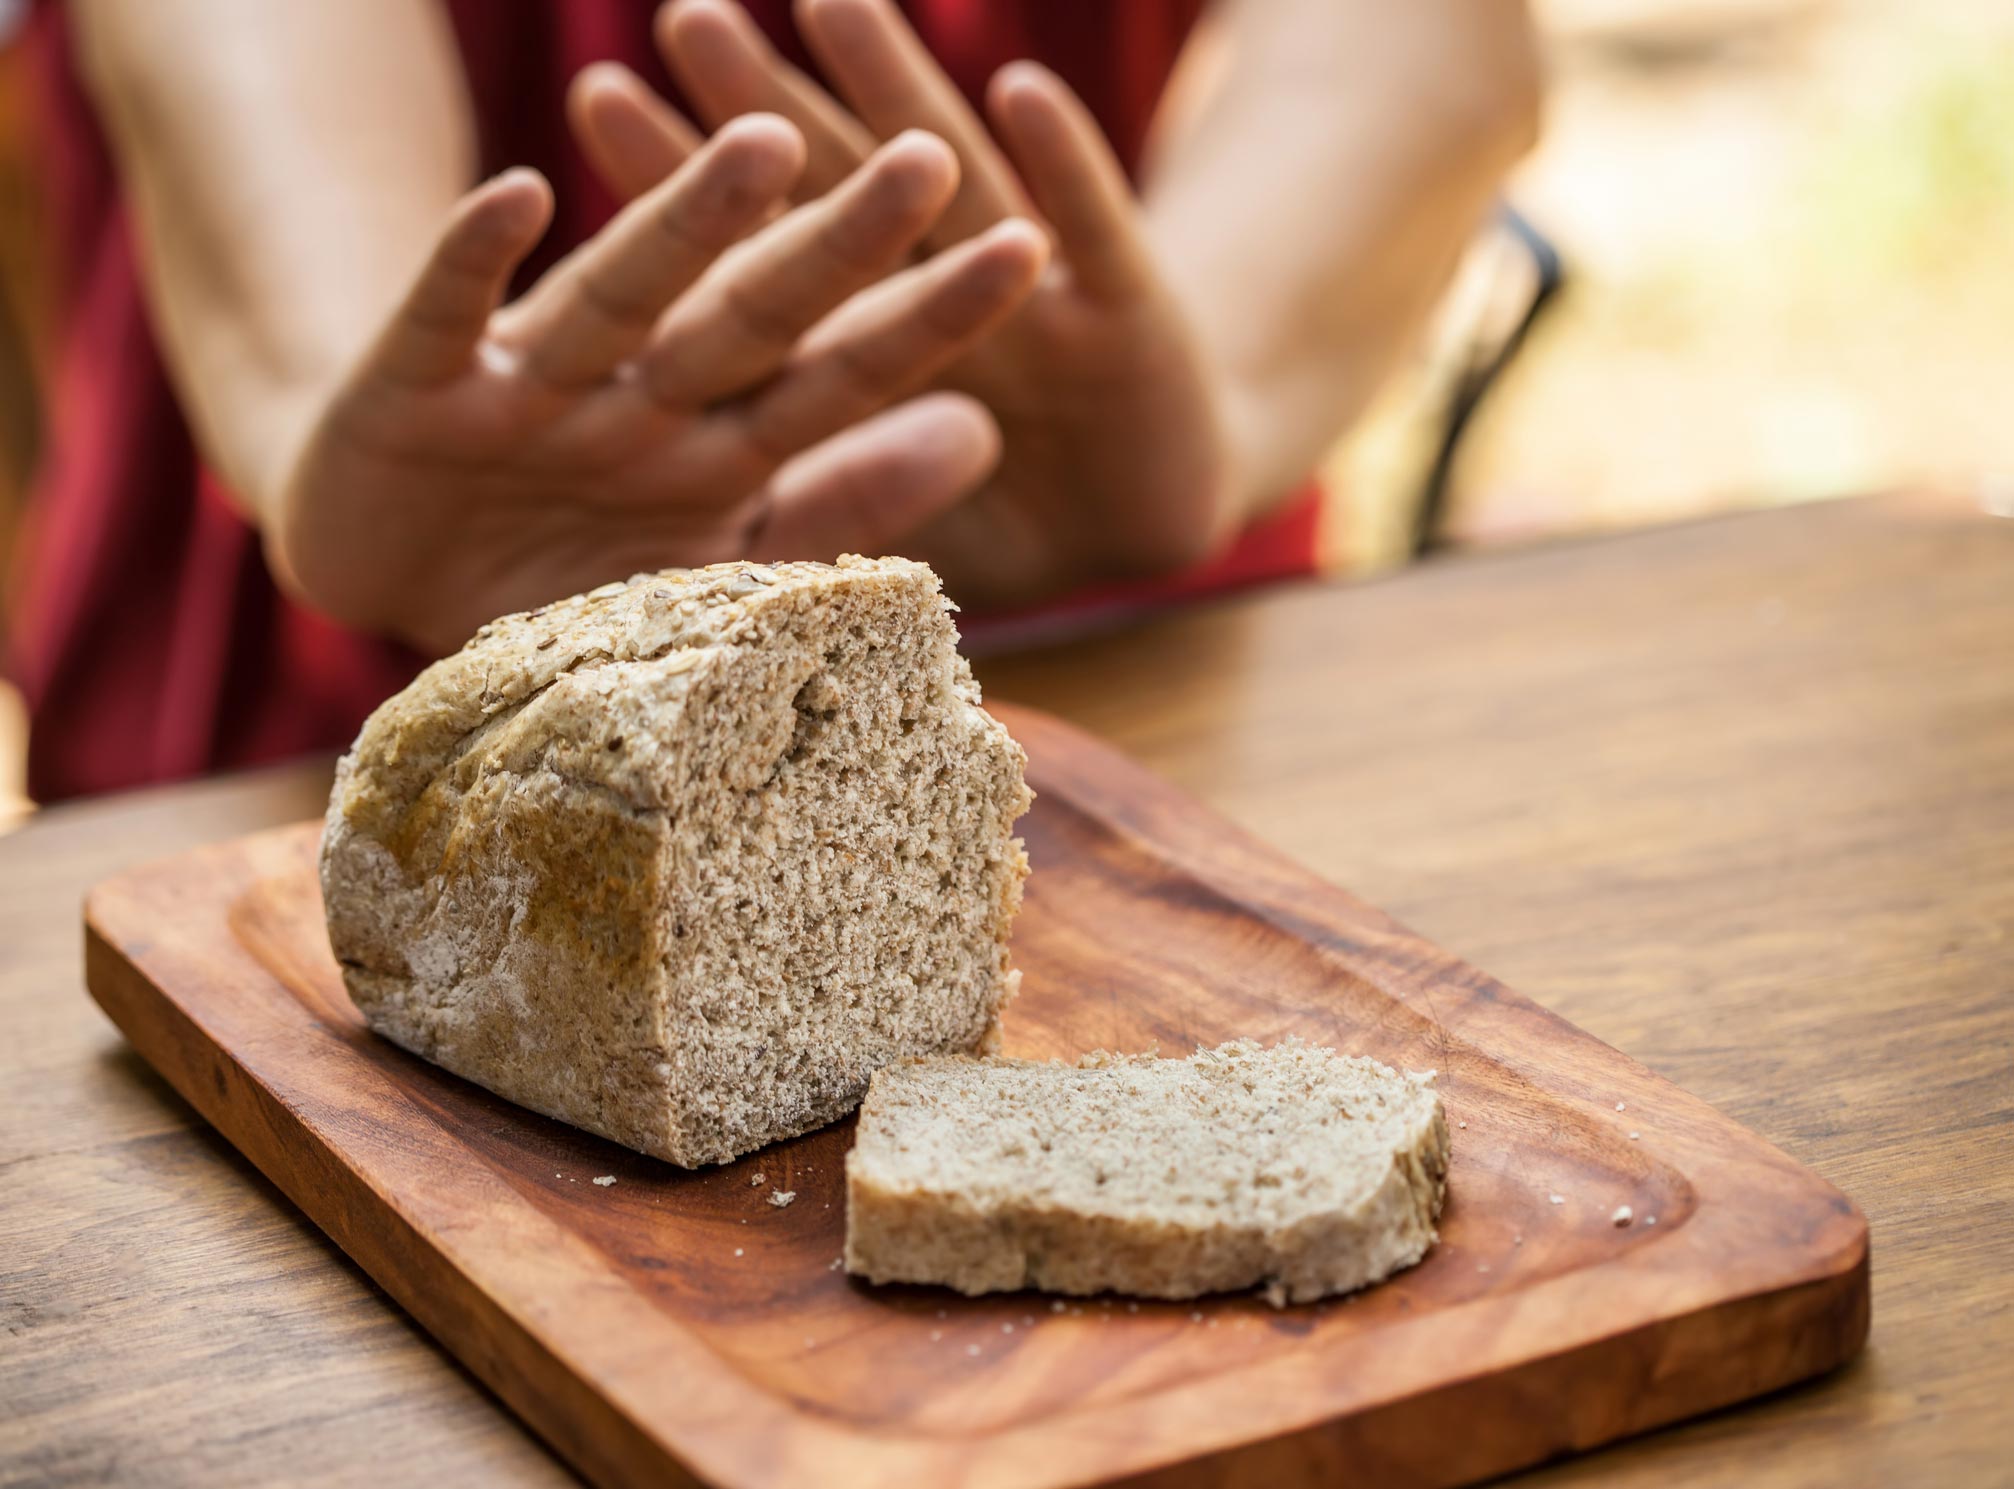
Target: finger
<point>881,68</point>
<point>874,351</point>
<point>867,489</point>
<point>598,307</point>
<point>891,339</point>
<point>726,67</point>
<point>1077,182</point>
<point>632,137</point>
<point>743,321</point>
<point>433,335</point>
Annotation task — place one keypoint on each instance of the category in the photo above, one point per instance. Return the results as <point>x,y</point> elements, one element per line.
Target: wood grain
<point>673,1322</point>
<point>166,1316</point>
<point>1734,797</point>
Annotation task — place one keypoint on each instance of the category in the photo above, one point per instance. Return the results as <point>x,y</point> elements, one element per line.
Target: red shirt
<point>147,635</point>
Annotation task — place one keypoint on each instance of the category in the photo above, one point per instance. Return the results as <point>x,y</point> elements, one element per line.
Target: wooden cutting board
<point>674,1326</point>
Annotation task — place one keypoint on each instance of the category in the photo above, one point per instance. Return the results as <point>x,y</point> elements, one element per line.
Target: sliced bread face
<point>685,860</point>
<point>1288,1168</point>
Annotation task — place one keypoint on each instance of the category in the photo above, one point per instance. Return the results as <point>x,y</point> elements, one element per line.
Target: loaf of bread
<point>685,860</point>
<point>1290,1168</point>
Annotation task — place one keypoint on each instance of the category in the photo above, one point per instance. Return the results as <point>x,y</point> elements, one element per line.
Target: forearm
<point>1318,169</point>
<point>288,165</point>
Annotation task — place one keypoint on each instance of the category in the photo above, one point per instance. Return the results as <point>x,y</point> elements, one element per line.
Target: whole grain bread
<point>683,861</point>
<point>1289,1168</point>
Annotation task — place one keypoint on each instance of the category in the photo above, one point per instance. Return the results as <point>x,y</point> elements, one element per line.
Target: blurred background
<point>1786,232</point>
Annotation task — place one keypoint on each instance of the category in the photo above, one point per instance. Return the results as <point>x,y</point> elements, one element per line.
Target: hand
<point>709,377</point>
<point>1116,453</point>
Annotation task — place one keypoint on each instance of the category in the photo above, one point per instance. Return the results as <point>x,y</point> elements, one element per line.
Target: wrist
<point>1258,475</point>
<point>252,438</point>
<point>322,548</point>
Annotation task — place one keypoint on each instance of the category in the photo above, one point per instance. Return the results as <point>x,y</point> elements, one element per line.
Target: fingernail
<point>1019,228</point>
<point>519,178</point>
<point>1024,69</point>
<point>760,123</point>
<point>729,14</point>
<point>768,129</point>
<point>919,136</point>
<point>920,144</point>
<point>498,358</point>
<point>607,71</point>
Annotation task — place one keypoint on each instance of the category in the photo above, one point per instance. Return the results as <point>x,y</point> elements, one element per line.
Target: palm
<point>1111,454</point>
<point>499,501</point>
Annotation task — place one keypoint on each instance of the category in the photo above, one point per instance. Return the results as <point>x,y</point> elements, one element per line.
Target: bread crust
<point>538,857</point>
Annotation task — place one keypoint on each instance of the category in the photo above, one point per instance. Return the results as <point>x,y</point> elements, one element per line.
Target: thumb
<point>866,490</point>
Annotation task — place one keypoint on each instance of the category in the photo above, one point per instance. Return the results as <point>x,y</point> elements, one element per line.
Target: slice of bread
<point>1290,1168</point>
<point>685,860</point>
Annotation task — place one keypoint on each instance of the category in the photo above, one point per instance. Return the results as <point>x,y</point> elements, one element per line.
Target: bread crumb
<point>1622,1216</point>
<point>1006,1328</point>
<point>782,1197</point>
<point>1558,1199</point>
<point>1518,1239</point>
<point>839,1261</point>
<point>755,1180</point>
<point>1463,1125</point>
<point>605,1180</point>
<point>1634,1136</point>
<point>1650,1220</point>
<point>737,1251</point>
<point>1619,1106</point>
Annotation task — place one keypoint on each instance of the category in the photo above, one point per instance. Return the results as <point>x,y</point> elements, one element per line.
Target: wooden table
<point>1737,797</point>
